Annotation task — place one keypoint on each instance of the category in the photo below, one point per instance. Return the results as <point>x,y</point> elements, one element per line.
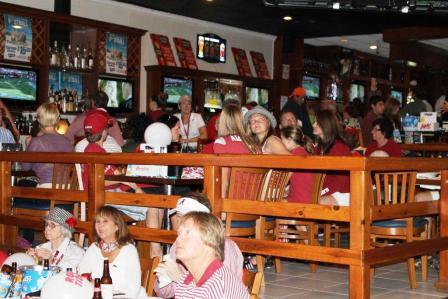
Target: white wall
<point>39,4</point>
<point>173,26</point>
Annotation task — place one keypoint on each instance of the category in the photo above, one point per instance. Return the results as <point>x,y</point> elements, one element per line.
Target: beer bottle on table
<point>46,265</point>
<point>107,289</point>
<point>14,267</point>
<point>97,289</point>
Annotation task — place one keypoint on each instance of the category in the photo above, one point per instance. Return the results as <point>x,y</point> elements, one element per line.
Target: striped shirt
<point>6,136</point>
<point>217,282</point>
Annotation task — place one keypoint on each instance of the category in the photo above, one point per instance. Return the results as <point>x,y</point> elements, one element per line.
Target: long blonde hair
<point>231,123</point>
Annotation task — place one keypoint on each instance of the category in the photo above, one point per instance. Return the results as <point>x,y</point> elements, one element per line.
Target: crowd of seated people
<point>239,131</point>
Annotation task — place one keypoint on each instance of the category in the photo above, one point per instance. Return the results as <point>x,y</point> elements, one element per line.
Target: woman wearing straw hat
<point>60,249</point>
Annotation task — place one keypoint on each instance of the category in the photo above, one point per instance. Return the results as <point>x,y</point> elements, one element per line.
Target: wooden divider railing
<point>359,257</point>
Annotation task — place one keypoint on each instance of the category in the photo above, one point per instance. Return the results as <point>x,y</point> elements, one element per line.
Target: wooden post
<point>360,220</point>
<point>95,192</point>
<point>442,283</point>
<point>212,188</point>
<point>8,234</point>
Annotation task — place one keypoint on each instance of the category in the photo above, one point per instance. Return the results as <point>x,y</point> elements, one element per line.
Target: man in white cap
<point>233,259</point>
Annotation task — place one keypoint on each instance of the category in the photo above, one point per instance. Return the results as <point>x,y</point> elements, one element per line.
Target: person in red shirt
<point>232,138</point>
<point>301,182</point>
<point>157,105</point>
<point>331,142</point>
<point>382,130</point>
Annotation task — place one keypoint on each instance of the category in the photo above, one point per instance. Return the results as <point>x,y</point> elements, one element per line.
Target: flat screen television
<point>357,91</point>
<point>312,86</point>
<point>397,94</point>
<point>258,95</point>
<point>211,48</point>
<point>176,87</point>
<point>120,93</point>
<point>18,86</point>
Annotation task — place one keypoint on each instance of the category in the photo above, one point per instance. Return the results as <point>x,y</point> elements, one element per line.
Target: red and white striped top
<point>217,282</point>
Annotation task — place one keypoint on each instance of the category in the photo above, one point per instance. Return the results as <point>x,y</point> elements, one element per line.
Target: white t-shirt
<point>124,270</point>
<point>69,254</point>
<point>191,129</point>
<point>109,145</point>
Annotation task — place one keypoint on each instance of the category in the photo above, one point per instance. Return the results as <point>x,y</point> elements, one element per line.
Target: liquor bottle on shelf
<point>54,54</point>
<point>77,59</point>
<point>70,56</point>
<point>90,59</point>
<point>84,59</point>
<point>63,58</point>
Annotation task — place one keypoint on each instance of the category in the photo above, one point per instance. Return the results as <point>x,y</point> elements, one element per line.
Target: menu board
<point>185,53</point>
<point>261,69</point>
<point>116,53</point>
<point>211,48</point>
<point>241,61</point>
<point>162,48</point>
<point>18,38</point>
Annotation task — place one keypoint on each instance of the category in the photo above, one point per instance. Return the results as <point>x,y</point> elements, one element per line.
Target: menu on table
<point>185,53</point>
<point>261,69</point>
<point>162,48</point>
<point>242,63</point>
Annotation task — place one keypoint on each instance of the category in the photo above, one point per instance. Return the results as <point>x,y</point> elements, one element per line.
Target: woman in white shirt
<point>114,242</point>
<point>60,250</point>
<point>192,126</point>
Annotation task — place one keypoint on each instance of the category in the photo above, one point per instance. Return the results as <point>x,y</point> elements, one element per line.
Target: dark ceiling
<point>307,22</point>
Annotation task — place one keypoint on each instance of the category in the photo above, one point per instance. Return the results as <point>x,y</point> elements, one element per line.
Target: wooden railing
<point>360,256</point>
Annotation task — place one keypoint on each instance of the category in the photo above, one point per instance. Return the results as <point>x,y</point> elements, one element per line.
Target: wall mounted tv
<point>18,86</point>
<point>211,48</point>
<point>120,93</point>
<point>312,86</point>
<point>357,91</point>
<point>258,95</point>
<point>176,87</point>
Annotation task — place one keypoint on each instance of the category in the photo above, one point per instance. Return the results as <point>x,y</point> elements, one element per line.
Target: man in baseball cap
<point>96,122</point>
<point>296,104</point>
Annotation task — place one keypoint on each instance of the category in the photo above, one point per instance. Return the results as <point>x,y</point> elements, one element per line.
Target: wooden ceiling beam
<point>414,33</point>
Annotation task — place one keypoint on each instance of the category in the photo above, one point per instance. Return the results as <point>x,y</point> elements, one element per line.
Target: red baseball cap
<point>298,92</point>
<point>96,121</point>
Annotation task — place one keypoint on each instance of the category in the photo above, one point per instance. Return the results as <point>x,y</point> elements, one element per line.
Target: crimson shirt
<point>301,182</point>
<point>391,147</point>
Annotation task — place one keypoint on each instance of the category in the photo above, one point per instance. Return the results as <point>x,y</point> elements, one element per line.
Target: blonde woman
<point>48,140</point>
<point>232,138</point>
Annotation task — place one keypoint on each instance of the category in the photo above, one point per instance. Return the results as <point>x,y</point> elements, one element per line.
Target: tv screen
<point>120,93</point>
<point>176,87</point>
<point>397,95</point>
<point>18,85</point>
<point>311,85</point>
<point>258,95</point>
<point>357,91</point>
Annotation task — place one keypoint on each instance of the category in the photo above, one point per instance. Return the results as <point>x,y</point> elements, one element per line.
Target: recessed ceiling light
<point>343,40</point>
<point>287,18</point>
<point>373,47</point>
<point>17,27</point>
<point>209,0</point>
<point>336,5</point>
<point>411,63</point>
<point>405,9</point>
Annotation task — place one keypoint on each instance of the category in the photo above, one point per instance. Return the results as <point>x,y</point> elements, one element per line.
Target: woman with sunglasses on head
<point>260,123</point>
<point>60,249</point>
<point>113,241</point>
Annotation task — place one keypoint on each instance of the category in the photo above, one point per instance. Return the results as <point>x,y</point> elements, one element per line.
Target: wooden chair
<point>148,276</point>
<point>398,188</point>
<point>245,184</point>
<point>298,231</point>
<point>64,178</point>
<point>253,281</point>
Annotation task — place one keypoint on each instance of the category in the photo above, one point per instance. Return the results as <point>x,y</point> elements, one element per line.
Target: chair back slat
<point>246,183</point>
<point>148,276</point>
<point>318,183</point>
<point>394,187</point>
<point>274,185</point>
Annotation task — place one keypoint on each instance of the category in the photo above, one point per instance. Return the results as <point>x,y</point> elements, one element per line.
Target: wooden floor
<point>390,282</point>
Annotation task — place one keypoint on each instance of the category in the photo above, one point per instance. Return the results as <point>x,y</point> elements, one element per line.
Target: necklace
<point>108,247</point>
